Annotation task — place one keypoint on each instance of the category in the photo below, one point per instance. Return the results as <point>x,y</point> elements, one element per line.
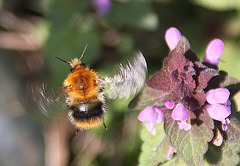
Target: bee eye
<point>72,69</point>
<point>83,64</point>
<point>70,86</point>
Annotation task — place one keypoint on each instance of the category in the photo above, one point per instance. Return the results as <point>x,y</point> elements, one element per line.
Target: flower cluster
<point>183,83</point>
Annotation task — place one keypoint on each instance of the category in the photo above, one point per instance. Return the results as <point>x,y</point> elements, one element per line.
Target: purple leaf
<point>205,76</point>
<point>162,81</point>
<point>148,97</point>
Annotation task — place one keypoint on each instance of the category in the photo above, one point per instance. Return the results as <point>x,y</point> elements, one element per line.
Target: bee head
<point>75,62</point>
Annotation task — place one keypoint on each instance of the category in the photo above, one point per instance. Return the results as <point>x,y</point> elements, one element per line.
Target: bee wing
<point>47,101</point>
<point>129,79</point>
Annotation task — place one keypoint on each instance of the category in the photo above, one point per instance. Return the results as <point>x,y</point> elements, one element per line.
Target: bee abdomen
<point>87,111</point>
<point>87,115</point>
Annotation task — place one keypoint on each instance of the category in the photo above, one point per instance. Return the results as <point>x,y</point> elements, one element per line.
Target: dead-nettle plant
<point>187,109</point>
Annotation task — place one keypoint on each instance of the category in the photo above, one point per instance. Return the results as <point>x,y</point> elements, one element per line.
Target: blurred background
<point>34,128</point>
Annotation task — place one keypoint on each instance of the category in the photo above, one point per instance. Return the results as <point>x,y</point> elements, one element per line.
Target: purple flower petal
<point>228,104</point>
<point>169,105</point>
<point>219,95</point>
<point>214,51</point>
<point>151,129</point>
<point>172,36</point>
<point>170,152</point>
<point>218,111</point>
<point>180,112</point>
<point>148,115</point>
<point>160,115</point>
<point>225,122</point>
<point>152,115</point>
<point>102,6</point>
<point>184,125</point>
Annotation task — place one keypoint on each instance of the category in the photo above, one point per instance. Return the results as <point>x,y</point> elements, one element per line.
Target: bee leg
<point>104,125</point>
<point>77,131</point>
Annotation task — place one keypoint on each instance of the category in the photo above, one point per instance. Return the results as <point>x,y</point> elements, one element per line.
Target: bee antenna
<point>85,48</point>
<point>61,59</point>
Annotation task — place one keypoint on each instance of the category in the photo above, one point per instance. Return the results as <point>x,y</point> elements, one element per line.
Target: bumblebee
<point>85,91</point>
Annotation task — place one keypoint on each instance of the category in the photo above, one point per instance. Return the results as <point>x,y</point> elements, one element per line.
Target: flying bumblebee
<point>85,91</point>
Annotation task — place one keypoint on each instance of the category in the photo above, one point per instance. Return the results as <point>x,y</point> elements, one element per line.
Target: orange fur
<point>81,85</point>
<point>89,124</point>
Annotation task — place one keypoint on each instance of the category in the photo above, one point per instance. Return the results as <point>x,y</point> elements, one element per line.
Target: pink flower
<point>170,152</point>
<point>225,123</point>
<point>219,95</point>
<point>169,105</point>
<point>213,52</point>
<point>181,113</point>
<point>184,125</point>
<point>152,116</point>
<point>219,105</point>
<point>172,36</point>
<point>102,6</point>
